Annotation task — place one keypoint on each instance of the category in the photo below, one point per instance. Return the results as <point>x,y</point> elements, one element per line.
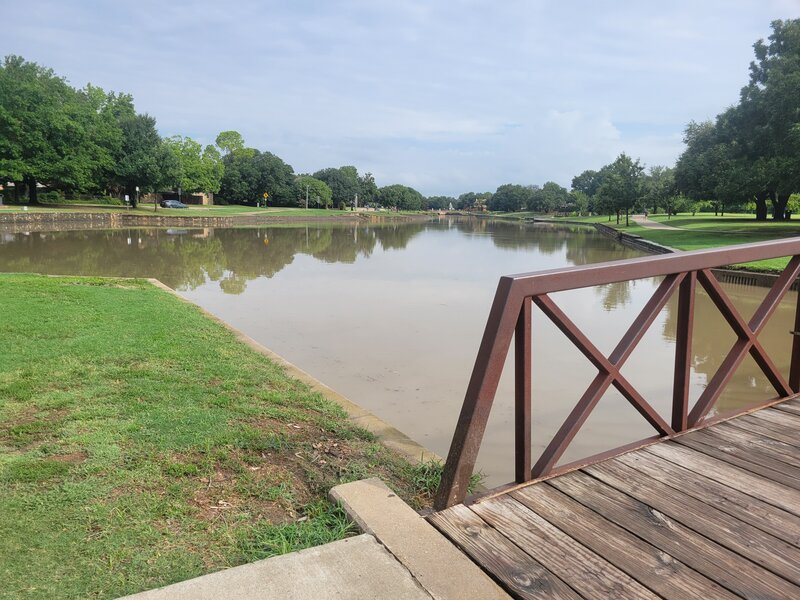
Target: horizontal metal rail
<point>510,317</point>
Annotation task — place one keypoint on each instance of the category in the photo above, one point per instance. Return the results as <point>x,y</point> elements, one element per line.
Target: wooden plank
<point>750,460</point>
<point>769,430</point>
<point>723,434</point>
<point>779,417</point>
<point>776,522</point>
<point>788,407</point>
<point>520,574</point>
<point>727,568</point>
<point>654,568</point>
<point>771,553</point>
<point>773,493</point>
<point>582,569</point>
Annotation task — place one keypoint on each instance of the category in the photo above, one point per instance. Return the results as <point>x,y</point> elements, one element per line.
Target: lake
<point>391,316</point>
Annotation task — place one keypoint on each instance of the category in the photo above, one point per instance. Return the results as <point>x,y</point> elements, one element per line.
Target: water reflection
<point>186,258</point>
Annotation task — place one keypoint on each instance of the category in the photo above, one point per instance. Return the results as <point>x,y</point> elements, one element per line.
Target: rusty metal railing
<point>510,316</point>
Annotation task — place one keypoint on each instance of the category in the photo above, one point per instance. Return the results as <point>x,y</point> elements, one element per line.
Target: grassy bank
<point>696,232</point>
<point>142,444</point>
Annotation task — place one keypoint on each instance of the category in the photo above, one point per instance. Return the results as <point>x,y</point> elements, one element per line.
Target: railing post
<point>522,394</point>
<point>794,368</point>
<point>683,353</point>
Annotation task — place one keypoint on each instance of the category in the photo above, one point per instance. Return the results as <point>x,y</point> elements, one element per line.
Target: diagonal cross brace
<point>747,334</point>
<point>609,370</point>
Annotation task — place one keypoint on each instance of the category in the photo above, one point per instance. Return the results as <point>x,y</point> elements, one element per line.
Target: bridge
<point>707,506</point>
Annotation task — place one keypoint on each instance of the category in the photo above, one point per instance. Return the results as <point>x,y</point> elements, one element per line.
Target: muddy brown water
<point>392,315</point>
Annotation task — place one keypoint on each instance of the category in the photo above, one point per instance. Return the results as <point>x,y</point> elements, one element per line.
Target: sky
<point>445,96</point>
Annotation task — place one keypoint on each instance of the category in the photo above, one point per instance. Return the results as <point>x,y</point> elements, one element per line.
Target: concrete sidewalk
<point>399,556</point>
<point>357,568</point>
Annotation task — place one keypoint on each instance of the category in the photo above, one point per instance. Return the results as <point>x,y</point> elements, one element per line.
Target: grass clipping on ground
<point>142,444</point>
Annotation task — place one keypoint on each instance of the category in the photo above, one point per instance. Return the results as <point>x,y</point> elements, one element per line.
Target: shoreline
<point>19,221</point>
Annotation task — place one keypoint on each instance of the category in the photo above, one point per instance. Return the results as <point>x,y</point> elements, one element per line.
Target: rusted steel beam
<point>480,394</point>
<point>522,392</point>
<point>775,295</point>
<point>747,342</point>
<point>683,353</point>
<point>555,449</point>
<point>591,275</point>
<point>645,318</point>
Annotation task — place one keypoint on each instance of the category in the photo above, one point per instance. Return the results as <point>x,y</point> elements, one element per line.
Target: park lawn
<point>141,444</point>
<point>697,233</point>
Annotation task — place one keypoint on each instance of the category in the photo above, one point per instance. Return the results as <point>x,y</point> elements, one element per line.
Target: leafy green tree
<point>367,190</point>
<point>659,184</point>
<point>318,191</point>
<point>581,201</point>
<point>440,202</point>
<point>200,168</point>
<point>249,173</point>
<point>344,183</point>
<point>622,185</point>
<point>401,197</point>
<point>772,94</point>
<point>230,141</point>
<point>473,199</point>
<point>144,161</point>
<point>551,197</point>
<point>509,197</point>
<point>51,133</point>
<point>587,182</point>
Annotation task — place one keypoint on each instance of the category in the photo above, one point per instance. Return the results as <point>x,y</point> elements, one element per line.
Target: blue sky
<point>447,97</point>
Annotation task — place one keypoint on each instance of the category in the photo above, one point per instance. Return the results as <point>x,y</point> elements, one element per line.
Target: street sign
<point>266,195</point>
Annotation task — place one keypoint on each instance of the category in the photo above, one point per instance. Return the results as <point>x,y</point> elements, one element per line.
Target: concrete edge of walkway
<point>439,567</point>
<point>355,568</point>
<point>390,436</point>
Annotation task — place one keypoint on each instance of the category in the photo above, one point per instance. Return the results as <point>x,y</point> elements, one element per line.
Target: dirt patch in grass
<point>73,458</point>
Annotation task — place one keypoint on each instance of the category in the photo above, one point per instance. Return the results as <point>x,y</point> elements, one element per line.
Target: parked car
<point>172,204</point>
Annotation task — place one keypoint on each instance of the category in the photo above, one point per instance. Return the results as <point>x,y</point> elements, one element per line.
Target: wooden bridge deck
<point>713,513</point>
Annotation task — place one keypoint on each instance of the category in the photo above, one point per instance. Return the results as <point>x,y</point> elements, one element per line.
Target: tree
<point>551,197</point>
<point>440,202</point>
<point>622,183</point>
<point>587,182</point>
<point>509,197</point>
<point>51,133</point>
<point>344,183</point>
<point>752,151</point>
<point>580,201</point>
<point>367,190</point>
<point>144,162</point>
<point>249,173</point>
<point>472,199</point>
<point>318,191</point>
<point>200,168</point>
<point>659,185</point>
<point>772,97</point>
<point>230,141</point>
<point>401,197</point>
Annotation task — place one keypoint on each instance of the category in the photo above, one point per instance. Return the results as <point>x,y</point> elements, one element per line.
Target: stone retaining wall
<point>16,222</point>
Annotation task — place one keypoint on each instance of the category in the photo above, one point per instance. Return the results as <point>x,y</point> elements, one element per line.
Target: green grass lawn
<point>706,231</point>
<point>141,444</point>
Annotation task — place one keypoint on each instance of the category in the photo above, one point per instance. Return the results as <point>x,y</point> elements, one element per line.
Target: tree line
<point>747,157</point>
<point>89,141</point>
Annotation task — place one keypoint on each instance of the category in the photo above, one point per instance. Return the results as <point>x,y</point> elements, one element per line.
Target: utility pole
<point>306,199</point>
<point>355,203</point>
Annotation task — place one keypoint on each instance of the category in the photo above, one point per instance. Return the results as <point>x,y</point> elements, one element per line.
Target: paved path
<point>400,556</point>
<point>645,222</point>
